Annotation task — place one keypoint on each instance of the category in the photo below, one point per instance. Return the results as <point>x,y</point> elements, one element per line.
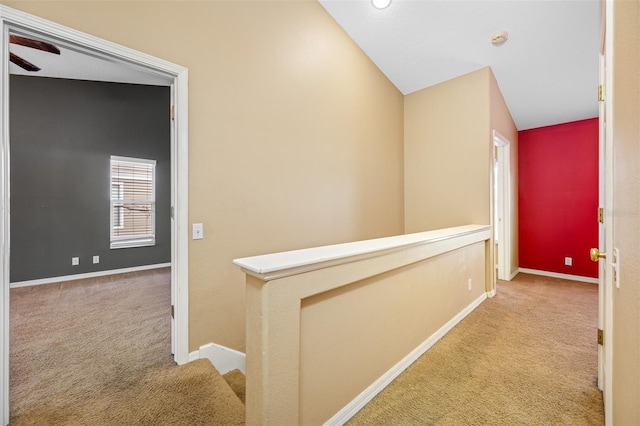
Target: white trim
<point>4,220</point>
<point>499,140</point>
<point>607,244</point>
<point>180,228</point>
<point>342,416</point>
<point>96,274</point>
<point>223,359</point>
<point>180,204</point>
<point>128,160</point>
<point>25,23</point>
<point>513,274</point>
<point>504,184</point>
<point>491,293</point>
<point>601,194</point>
<point>558,275</point>
<point>131,241</point>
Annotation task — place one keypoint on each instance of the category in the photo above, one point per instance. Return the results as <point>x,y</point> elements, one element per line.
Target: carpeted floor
<point>97,352</point>
<point>238,383</point>
<point>72,341</point>
<point>190,394</point>
<point>528,356</point>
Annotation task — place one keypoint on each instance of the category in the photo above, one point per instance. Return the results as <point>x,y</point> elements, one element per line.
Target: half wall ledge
<point>316,313</point>
<point>276,265</point>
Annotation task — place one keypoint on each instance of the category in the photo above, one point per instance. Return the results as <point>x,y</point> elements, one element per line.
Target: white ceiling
<point>547,70</point>
<point>75,65</point>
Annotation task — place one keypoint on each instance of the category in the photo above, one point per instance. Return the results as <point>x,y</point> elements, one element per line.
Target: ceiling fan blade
<point>34,44</point>
<point>22,63</point>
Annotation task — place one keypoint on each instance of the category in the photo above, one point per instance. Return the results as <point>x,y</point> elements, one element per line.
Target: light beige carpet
<point>526,357</point>
<point>191,394</point>
<point>97,352</point>
<point>238,383</point>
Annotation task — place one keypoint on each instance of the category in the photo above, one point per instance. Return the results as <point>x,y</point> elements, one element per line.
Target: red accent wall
<point>558,197</point>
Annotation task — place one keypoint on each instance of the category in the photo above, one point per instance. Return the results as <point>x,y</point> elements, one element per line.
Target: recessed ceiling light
<point>499,38</point>
<point>380,4</point>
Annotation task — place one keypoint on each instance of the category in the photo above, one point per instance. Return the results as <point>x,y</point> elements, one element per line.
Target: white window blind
<point>117,194</point>
<point>133,202</point>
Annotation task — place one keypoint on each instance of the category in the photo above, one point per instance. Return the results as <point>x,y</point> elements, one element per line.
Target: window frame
<point>130,241</point>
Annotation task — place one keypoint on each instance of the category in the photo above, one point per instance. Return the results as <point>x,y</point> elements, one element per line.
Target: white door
<point>601,203</point>
<point>607,261</point>
<point>502,203</point>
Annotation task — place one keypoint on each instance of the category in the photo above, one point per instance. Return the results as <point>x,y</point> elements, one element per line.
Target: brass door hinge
<point>600,337</point>
<point>173,112</point>
<point>600,215</point>
<point>600,93</point>
<point>173,311</point>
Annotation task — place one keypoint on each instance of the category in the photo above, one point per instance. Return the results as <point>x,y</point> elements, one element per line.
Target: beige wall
<point>502,122</point>
<point>447,154</point>
<point>295,137</point>
<point>391,314</point>
<point>626,211</point>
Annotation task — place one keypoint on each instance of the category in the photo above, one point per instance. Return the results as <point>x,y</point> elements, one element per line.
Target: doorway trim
<point>15,20</point>
<point>503,196</point>
<point>605,243</point>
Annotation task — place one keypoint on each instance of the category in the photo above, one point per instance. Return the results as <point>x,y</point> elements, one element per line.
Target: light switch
<point>198,232</point>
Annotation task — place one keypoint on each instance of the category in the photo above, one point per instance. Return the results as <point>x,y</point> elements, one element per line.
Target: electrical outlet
<point>75,261</point>
<point>96,259</point>
<point>198,231</point>
<point>469,284</point>
<point>568,261</point>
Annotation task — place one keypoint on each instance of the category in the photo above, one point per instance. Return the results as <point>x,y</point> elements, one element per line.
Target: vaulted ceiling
<point>547,70</point>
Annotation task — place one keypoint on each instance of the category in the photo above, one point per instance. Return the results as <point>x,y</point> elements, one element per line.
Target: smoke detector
<point>499,38</point>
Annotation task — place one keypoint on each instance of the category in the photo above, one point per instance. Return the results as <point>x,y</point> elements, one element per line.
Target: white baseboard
<point>96,274</point>
<point>491,293</point>
<point>513,274</point>
<point>342,416</point>
<point>223,359</point>
<point>559,275</point>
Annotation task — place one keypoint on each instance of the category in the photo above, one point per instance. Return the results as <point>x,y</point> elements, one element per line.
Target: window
<point>133,202</point>
<point>117,193</point>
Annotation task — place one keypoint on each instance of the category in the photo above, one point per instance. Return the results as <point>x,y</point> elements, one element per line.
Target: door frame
<point>14,20</point>
<point>503,196</point>
<point>605,243</point>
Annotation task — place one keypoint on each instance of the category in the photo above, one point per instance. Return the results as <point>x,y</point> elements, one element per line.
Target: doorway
<point>502,206</point>
<point>18,22</point>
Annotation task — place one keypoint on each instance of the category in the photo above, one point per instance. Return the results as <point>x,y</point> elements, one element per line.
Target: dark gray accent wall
<point>63,133</point>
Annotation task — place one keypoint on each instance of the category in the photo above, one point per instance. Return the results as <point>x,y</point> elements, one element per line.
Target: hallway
<point>526,356</point>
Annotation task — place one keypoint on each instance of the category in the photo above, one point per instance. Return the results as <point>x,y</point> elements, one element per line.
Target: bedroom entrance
<point>20,24</point>
<point>501,207</point>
